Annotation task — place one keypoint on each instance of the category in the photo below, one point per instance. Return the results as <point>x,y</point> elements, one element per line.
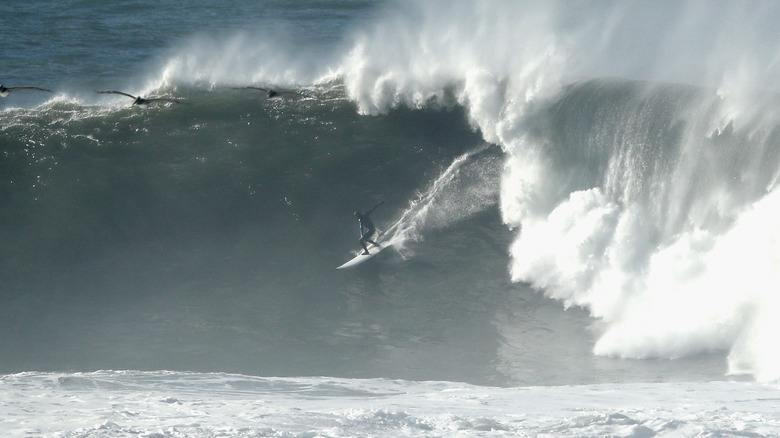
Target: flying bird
<point>5,91</point>
<point>270,92</point>
<point>138,100</point>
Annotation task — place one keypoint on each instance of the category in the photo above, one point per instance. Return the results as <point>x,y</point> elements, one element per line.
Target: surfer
<point>367,228</point>
<point>5,91</point>
<point>138,100</point>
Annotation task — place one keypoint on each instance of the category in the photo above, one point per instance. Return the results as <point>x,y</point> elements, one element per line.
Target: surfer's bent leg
<point>367,237</point>
<point>362,241</point>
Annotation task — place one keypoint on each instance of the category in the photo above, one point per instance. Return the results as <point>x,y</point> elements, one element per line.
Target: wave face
<point>532,158</point>
<point>206,235</point>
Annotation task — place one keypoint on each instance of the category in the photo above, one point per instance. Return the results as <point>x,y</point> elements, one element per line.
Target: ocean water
<point>580,200</point>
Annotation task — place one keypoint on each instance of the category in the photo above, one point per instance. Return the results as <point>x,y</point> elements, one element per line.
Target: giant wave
<point>645,196</point>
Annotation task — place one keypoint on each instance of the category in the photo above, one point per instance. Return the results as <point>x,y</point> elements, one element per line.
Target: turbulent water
<point>575,193</point>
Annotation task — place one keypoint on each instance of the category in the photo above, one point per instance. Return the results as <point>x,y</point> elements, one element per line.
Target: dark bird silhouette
<point>138,100</point>
<point>270,92</point>
<point>5,91</point>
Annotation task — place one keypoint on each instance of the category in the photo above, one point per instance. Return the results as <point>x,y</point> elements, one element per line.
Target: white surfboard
<point>361,258</point>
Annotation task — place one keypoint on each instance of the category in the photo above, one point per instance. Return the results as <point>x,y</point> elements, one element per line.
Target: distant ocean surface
<point>575,193</point>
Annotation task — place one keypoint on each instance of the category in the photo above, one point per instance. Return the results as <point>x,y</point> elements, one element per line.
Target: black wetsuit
<point>367,228</point>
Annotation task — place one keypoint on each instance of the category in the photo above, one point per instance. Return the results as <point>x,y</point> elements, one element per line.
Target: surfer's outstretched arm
<point>374,207</point>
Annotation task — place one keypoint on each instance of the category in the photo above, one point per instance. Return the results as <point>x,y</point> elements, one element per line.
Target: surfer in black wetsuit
<point>367,228</point>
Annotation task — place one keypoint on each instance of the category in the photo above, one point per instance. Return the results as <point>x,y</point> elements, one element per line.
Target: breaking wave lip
<point>635,209</point>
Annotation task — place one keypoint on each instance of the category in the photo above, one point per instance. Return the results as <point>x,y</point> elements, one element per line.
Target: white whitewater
<point>169,404</point>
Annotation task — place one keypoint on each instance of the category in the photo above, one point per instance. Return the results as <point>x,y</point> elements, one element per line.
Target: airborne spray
<point>467,186</point>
